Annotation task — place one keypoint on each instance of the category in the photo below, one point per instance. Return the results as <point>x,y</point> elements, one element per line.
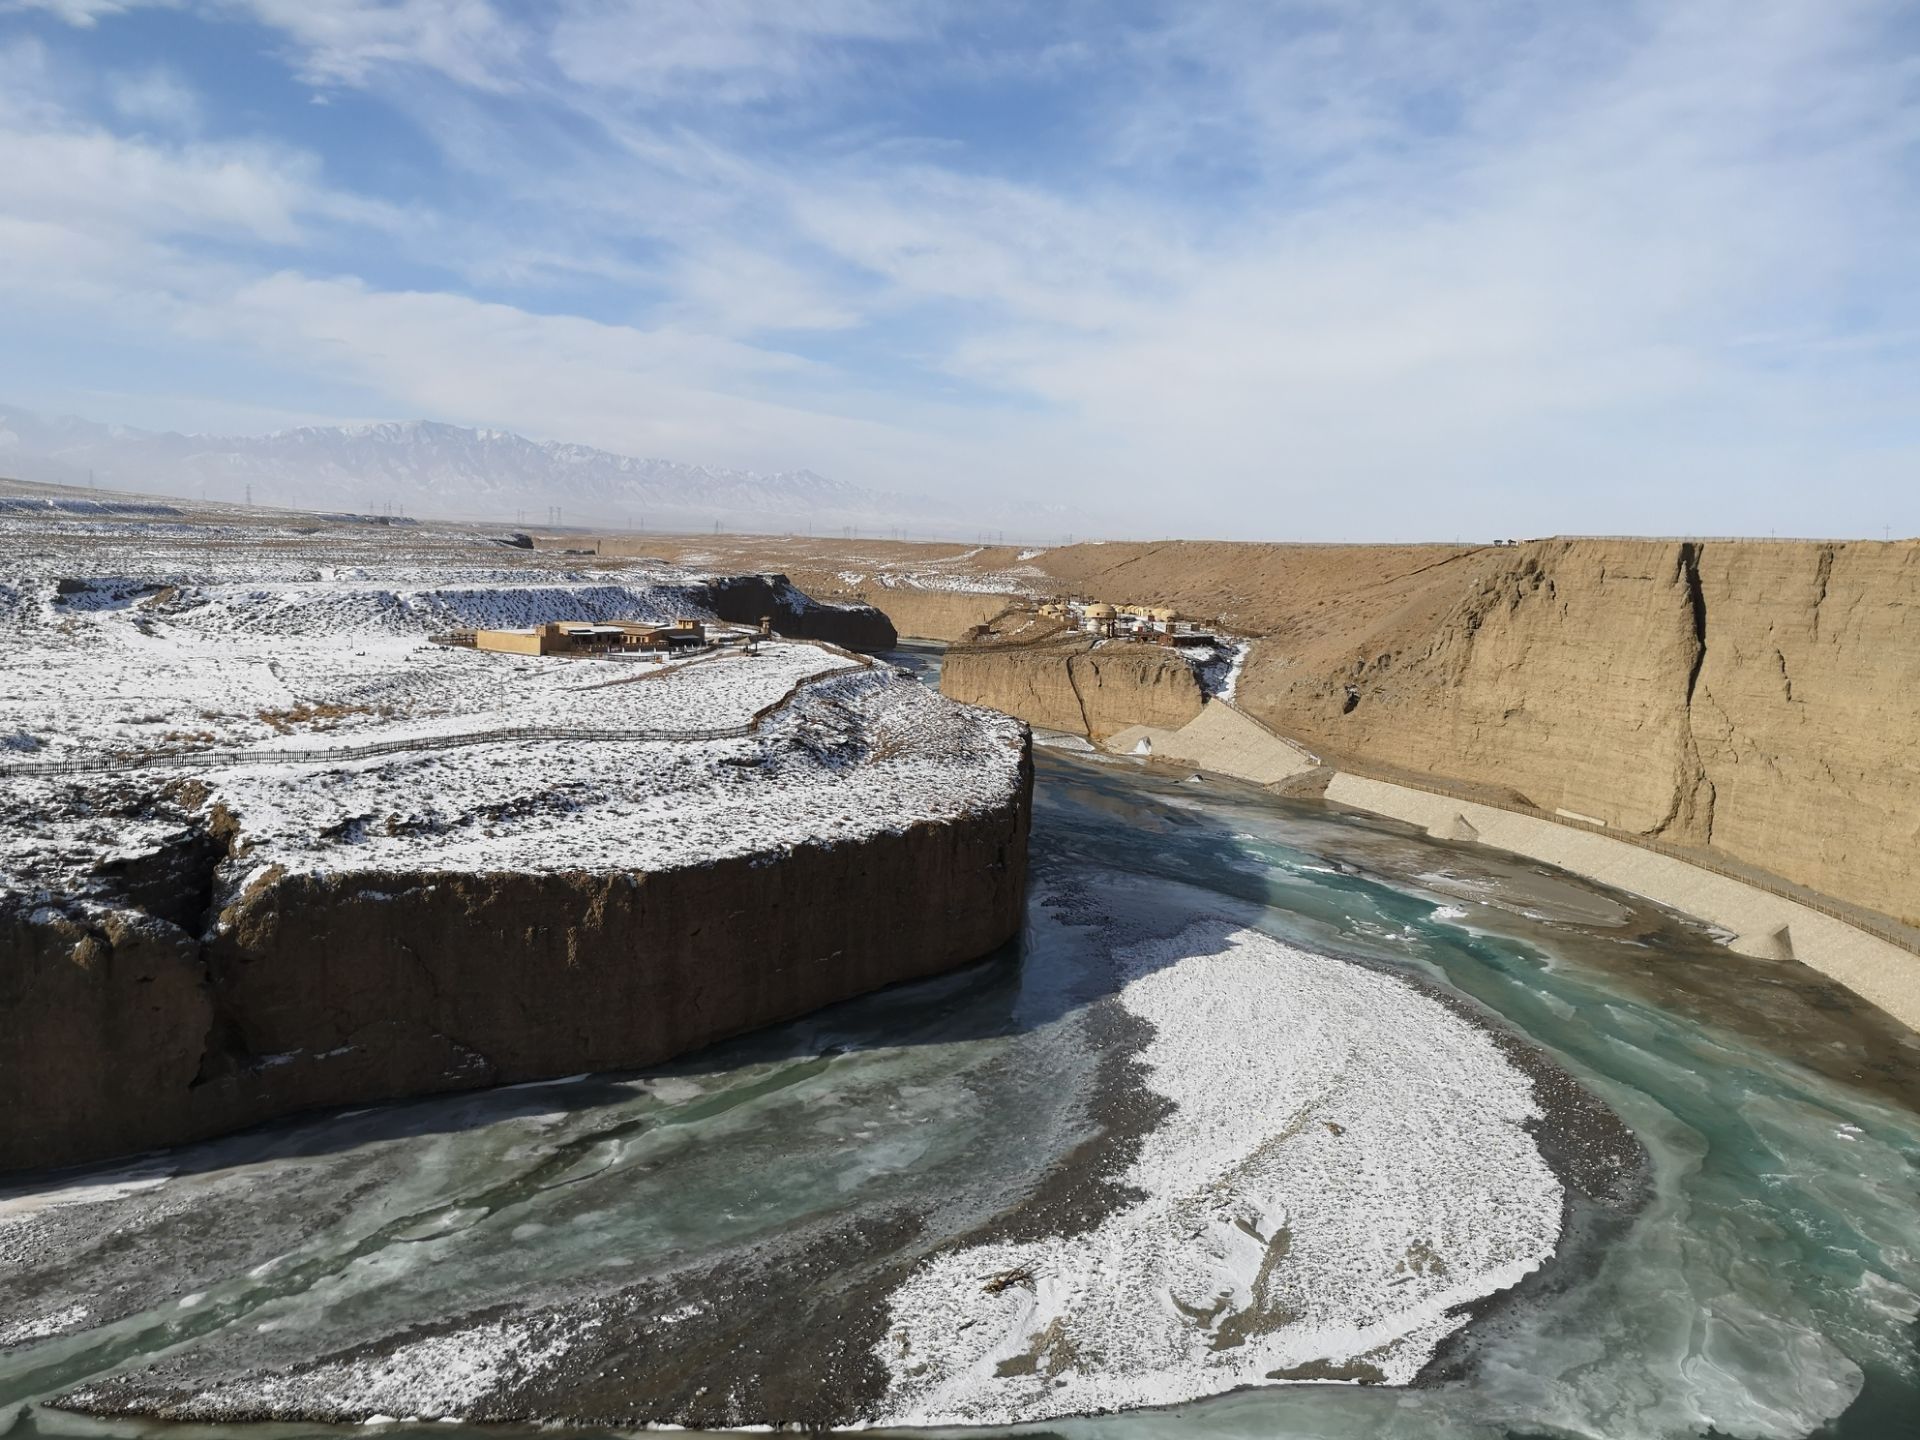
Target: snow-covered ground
<point>250,641</point>
<point>1345,1166</point>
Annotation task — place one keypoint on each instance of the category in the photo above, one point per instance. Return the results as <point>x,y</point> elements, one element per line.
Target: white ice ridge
<point>1346,1164</point>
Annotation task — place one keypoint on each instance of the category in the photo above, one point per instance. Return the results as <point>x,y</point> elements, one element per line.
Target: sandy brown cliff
<point>1753,697</point>
<point>1758,697</point>
<point>1067,684</point>
<point>939,614</point>
<point>131,1031</point>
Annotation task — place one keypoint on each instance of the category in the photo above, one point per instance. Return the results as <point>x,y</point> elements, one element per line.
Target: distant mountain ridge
<point>425,468</point>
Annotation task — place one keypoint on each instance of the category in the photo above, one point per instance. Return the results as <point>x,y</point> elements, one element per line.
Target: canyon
<point>1748,698</point>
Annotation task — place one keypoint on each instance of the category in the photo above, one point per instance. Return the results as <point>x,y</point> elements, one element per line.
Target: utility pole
<point>249,493</point>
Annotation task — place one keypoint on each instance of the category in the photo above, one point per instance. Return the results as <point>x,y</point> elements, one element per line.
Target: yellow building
<point>593,637</point>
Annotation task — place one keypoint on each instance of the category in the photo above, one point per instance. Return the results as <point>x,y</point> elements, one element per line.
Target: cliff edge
<point>264,847</point>
<point>1752,697</point>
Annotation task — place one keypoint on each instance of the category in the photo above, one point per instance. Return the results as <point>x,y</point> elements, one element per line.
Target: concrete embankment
<point>165,1022</point>
<point>1763,923</point>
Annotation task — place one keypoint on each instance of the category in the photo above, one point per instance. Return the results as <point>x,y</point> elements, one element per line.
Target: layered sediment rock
<point>130,1031</point>
<point>1076,685</point>
<point>1753,697</point>
<point>940,614</point>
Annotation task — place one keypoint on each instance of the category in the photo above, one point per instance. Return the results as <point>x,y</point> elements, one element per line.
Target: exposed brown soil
<point>1751,698</point>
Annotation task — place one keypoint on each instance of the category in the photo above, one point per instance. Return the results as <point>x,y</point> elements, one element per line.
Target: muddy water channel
<point>1278,1122</point>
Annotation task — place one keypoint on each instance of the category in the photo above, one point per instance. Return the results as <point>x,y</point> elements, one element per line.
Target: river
<point>747,1232</point>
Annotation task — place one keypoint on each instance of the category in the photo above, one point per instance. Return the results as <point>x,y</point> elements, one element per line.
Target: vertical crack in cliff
<point>1073,684</point>
<point>1823,573</point>
<point>224,1049</point>
<point>1692,808</point>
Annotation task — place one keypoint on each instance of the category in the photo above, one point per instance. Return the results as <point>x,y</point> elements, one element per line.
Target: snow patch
<point>1346,1164</point>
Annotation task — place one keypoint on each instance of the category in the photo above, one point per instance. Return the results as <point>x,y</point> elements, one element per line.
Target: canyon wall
<point>136,1028</point>
<point>1068,684</point>
<point>1748,695</point>
<point>1756,698</point>
<point>938,614</point>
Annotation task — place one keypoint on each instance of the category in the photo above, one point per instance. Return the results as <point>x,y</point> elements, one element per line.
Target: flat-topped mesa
<point>1036,665</point>
<point>351,865</point>
<point>276,938</point>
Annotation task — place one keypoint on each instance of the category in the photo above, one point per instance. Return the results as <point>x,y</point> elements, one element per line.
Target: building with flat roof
<point>593,637</point>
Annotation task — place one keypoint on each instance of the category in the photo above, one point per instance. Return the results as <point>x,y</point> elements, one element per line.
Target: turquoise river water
<point>1766,1287</point>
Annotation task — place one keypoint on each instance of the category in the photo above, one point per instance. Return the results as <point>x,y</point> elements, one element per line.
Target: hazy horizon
<point>1288,272</point>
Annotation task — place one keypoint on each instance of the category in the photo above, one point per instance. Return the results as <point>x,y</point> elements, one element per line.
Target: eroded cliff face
<point>1073,685</point>
<point>1753,697</point>
<point>132,1030</point>
<point>939,614</point>
<point>1756,697</point>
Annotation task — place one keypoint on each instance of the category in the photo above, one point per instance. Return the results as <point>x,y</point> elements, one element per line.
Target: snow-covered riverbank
<point>1346,1165</point>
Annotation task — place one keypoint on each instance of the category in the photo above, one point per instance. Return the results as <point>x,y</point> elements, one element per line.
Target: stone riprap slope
<point>353,864</point>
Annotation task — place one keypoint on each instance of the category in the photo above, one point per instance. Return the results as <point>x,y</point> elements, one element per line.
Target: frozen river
<point>1269,1100</point>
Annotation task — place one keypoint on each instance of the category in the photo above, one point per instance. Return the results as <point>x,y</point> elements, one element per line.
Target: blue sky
<point>1392,269</point>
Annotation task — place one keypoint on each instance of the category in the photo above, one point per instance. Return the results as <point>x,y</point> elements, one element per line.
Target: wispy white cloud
<point>345,41</point>
<point>83,14</point>
<point>1513,266</point>
<point>724,51</point>
<point>155,97</point>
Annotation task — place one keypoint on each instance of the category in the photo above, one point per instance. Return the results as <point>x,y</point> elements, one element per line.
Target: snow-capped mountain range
<point>429,470</point>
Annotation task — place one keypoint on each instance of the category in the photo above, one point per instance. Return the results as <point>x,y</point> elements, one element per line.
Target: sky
<point>1315,269</point>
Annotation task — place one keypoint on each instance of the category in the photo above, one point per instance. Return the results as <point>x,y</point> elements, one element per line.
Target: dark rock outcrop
<point>747,599</point>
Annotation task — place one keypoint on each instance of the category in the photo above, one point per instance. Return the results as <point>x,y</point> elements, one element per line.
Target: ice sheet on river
<point>1347,1163</point>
